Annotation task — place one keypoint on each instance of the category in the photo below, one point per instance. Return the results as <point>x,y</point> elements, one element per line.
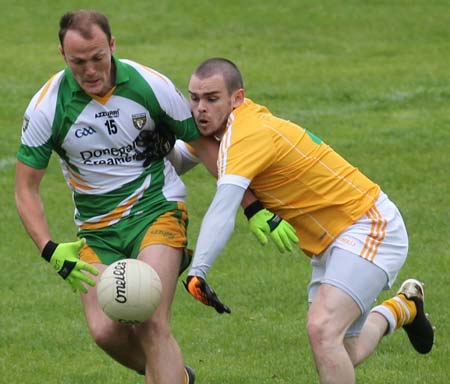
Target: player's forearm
<point>206,149</point>
<point>248,198</point>
<point>29,204</point>
<point>217,227</point>
<point>31,212</point>
<point>214,234</point>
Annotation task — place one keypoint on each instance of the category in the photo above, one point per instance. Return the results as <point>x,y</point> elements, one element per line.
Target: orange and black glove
<point>201,291</point>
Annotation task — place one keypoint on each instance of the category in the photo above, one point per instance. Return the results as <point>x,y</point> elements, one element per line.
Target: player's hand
<point>262,223</point>
<point>64,258</point>
<point>201,291</point>
<point>157,144</point>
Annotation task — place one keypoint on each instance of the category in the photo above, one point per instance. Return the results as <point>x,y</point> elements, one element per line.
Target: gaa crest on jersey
<point>25,122</point>
<point>139,120</point>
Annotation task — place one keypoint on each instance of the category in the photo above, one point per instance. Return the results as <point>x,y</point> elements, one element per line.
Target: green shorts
<point>126,238</point>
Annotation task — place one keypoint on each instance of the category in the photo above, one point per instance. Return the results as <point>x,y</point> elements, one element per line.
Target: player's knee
<point>103,335</point>
<point>154,330</point>
<point>322,335</point>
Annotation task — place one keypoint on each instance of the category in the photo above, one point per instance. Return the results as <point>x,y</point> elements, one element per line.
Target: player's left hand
<point>263,223</point>
<point>201,291</point>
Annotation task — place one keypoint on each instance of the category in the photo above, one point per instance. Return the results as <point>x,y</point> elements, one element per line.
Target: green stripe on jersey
<point>68,107</point>
<point>140,91</point>
<point>89,206</point>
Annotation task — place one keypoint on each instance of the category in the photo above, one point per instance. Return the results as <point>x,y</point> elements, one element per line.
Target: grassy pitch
<point>370,78</point>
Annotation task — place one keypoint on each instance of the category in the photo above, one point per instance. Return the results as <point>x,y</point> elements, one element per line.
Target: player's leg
<point>329,316</point>
<point>126,343</point>
<point>362,346</point>
<point>163,247</point>
<point>148,347</point>
<point>164,361</point>
<point>405,309</point>
<point>117,340</point>
<point>342,289</point>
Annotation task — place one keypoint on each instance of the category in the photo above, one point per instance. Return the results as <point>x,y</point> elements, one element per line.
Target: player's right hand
<point>201,291</point>
<point>64,258</point>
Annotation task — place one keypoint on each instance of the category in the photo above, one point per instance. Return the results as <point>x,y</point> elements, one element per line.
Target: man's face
<point>211,103</point>
<point>90,60</point>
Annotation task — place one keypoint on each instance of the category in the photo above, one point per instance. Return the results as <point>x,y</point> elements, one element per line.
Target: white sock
<point>388,315</point>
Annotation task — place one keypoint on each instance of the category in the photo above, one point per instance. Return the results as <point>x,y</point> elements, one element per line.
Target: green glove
<point>65,259</point>
<point>263,222</point>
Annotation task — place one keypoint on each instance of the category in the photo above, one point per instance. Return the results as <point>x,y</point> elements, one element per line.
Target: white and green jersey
<point>98,141</point>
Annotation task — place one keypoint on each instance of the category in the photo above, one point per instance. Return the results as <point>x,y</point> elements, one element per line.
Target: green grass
<point>369,78</point>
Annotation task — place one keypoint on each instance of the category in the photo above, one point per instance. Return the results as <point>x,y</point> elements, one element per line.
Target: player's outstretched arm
<point>63,257</point>
<point>217,227</point>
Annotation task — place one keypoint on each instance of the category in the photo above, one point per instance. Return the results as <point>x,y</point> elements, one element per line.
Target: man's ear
<point>238,98</point>
<point>112,44</point>
<point>61,51</point>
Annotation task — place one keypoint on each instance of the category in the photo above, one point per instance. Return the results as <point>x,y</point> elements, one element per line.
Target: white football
<point>129,291</point>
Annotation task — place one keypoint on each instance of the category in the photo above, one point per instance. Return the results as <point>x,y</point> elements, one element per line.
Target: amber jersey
<point>294,174</point>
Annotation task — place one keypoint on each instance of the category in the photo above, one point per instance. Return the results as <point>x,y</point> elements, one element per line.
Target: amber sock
<point>398,311</point>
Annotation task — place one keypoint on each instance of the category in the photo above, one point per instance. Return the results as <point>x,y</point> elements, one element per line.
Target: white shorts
<point>364,259</point>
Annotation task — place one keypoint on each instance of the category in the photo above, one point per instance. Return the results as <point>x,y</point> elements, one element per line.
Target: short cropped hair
<point>82,21</point>
<point>220,66</point>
